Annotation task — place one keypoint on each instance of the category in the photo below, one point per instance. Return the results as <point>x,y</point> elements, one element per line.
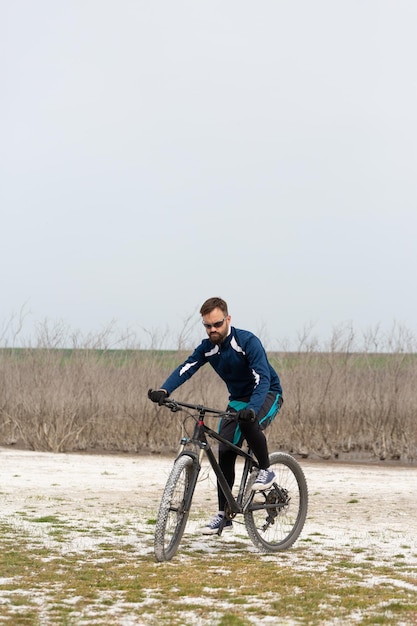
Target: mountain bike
<point>274,517</point>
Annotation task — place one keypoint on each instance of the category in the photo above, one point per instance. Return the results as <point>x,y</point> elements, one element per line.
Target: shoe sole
<point>215,531</point>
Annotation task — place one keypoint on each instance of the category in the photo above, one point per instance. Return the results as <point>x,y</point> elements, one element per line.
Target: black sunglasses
<point>216,324</point>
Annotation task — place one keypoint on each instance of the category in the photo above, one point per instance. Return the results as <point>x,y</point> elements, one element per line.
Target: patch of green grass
<point>297,586</point>
<point>46,519</point>
<point>230,619</point>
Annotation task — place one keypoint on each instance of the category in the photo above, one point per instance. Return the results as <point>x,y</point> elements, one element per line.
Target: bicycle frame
<point>199,438</point>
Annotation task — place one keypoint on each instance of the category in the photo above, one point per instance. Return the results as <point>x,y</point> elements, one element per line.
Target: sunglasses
<point>216,324</point>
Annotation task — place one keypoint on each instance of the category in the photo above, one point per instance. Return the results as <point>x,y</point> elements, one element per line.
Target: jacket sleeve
<point>259,366</point>
<point>184,371</point>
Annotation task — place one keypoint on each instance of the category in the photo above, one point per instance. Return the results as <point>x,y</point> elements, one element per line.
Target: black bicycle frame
<point>199,437</point>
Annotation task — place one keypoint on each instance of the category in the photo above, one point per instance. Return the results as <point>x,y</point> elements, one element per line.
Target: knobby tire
<point>276,528</point>
<point>172,516</point>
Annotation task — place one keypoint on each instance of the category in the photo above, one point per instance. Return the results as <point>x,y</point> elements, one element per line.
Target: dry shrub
<point>79,399</point>
<point>93,395</point>
<point>339,400</point>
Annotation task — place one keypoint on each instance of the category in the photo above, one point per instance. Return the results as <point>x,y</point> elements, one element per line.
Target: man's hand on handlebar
<point>246,415</point>
<point>158,395</point>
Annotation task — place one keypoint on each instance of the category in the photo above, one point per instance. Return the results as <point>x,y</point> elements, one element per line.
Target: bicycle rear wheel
<point>172,515</point>
<point>275,517</point>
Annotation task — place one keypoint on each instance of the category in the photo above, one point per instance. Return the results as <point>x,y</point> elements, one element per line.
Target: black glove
<point>246,415</point>
<point>158,395</point>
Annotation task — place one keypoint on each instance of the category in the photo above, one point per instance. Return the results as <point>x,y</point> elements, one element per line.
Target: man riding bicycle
<point>255,393</point>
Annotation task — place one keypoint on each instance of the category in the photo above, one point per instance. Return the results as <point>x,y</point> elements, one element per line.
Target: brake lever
<point>172,405</point>
<point>230,415</point>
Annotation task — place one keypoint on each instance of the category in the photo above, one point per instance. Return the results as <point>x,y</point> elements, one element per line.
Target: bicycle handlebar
<point>176,405</point>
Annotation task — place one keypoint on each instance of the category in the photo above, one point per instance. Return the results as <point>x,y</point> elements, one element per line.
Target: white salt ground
<point>349,504</point>
<point>363,510</point>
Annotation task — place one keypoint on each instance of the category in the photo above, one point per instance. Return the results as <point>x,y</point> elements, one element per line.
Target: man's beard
<point>216,338</point>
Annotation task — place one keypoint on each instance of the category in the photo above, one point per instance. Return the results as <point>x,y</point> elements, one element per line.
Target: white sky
<point>156,153</point>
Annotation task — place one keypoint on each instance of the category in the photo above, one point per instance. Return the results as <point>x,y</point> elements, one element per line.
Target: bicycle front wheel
<point>275,517</point>
<point>173,514</point>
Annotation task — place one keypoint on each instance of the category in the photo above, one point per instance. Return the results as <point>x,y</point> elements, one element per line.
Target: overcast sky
<point>156,153</point>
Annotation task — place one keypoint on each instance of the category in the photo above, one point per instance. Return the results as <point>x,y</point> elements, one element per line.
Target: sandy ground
<point>350,505</point>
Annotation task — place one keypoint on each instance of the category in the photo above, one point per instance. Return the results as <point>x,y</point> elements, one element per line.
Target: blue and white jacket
<point>240,360</point>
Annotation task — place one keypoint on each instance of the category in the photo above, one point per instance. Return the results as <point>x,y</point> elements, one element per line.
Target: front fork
<point>196,460</point>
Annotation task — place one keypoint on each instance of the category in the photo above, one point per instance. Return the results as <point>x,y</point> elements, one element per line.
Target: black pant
<point>237,432</point>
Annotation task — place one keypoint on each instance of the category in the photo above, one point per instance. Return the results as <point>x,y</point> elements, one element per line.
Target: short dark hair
<point>214,303</point>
